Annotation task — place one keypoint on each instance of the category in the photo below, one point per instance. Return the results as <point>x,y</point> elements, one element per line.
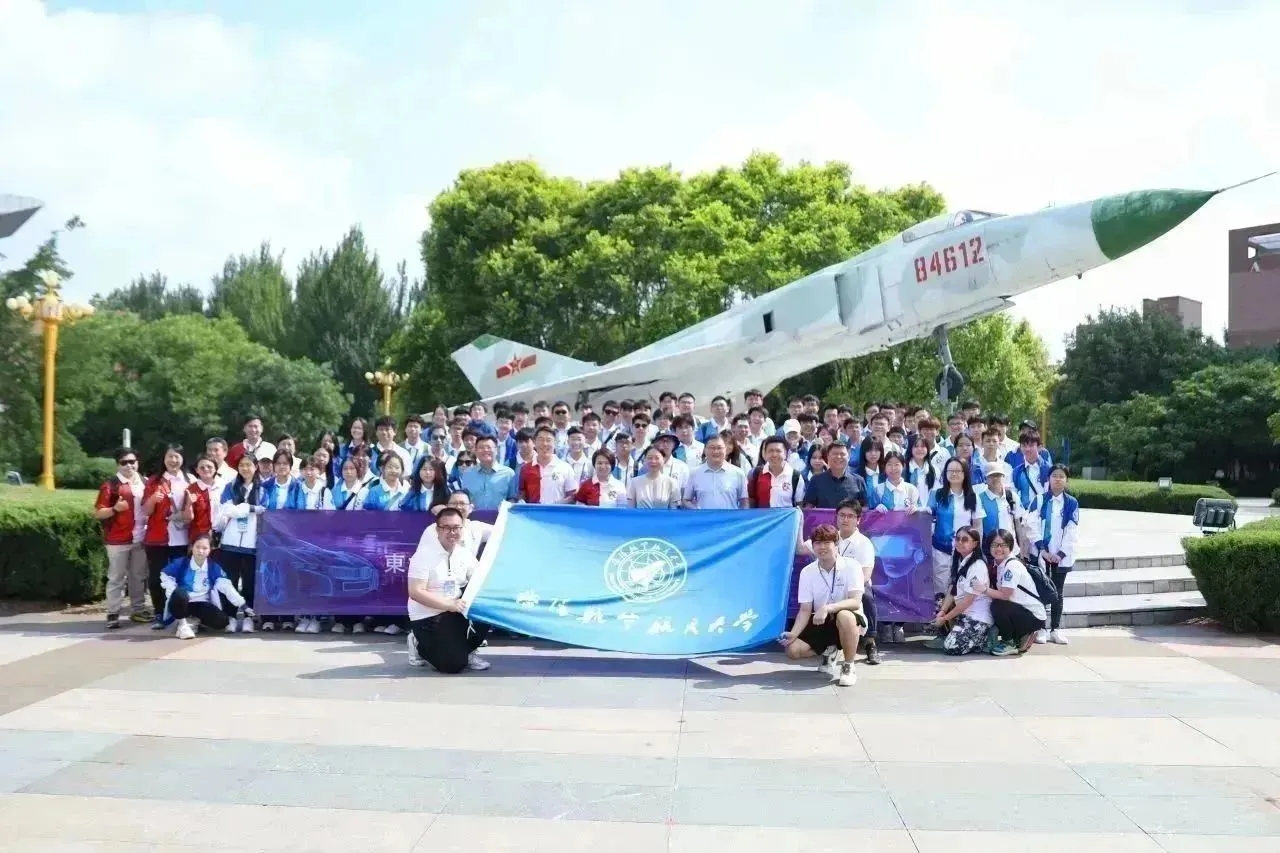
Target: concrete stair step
<point>1087,564</point>
<point>1139,581</point>
<point>1161,608</point>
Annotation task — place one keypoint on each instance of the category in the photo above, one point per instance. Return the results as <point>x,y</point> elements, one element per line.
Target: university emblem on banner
<point>645,571</point>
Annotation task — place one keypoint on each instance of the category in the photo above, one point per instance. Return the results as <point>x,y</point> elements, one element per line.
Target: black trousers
<point>210,616</point>
<point>1059,578</point>
<point>1014,621</point>
<point>445,640</point>
<point>241,570</point>
<point>159,556</point>
<point>869,610</point>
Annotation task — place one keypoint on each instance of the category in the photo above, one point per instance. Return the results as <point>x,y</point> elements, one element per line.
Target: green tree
<point>255,291</point>
<point>21,359</point>
<point>345,313</point>
<point>182,379</point>
<point>1133,438</point>
<point>151,298</point>
<point>596,270</point>
<point>1005,365</point>
<point>1120,353</point>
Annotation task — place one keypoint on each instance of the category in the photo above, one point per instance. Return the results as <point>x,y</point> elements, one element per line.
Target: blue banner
<point>646,581</point>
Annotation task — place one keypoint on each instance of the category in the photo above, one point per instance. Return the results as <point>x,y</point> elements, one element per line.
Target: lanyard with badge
<point>449,587</point>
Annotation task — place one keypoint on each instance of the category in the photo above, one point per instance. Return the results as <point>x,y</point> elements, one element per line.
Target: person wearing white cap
<point>796,456</point>
<point>1000,501</point>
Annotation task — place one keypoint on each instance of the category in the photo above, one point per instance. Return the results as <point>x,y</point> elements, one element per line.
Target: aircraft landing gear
<point>950,382</point>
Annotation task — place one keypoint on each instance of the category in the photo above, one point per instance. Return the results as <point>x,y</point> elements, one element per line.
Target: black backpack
<point>1046,592</point>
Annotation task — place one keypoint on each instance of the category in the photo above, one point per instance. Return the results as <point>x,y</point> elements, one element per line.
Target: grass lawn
<point>34,496</point>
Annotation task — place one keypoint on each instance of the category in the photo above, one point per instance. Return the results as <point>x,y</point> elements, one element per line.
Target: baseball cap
<point>266,451</point>
<point>996,468</point>
<point>791,426</point>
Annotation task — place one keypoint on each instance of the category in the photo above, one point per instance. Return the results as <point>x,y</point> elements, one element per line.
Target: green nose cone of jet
<point>1122,223</point>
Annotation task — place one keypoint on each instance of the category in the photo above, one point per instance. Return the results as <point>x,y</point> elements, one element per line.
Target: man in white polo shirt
<point>548,479</point>
<point>440,633</point>
<point>716,484</point>
<point>830,618</point>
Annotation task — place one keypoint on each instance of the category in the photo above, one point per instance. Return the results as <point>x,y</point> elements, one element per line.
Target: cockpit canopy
<point>945,222</point>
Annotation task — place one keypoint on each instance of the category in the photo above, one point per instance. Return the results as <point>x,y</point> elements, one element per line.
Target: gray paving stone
<point>55,746</point>
<point>607,692</point>
<point>809,809</point>
<point>777,774</point>
<point>944,809</point>
<point>816,702</point>
<point>911,779</point>
<point>384,792</point>
<point>88,779</point>
<point>1202,815</point>
<point>573,801</point>
<point>18,771</point>
<point>584,769</point>
<point>1135,780</point>
<point>1261,671</point>
<point>196,753</point>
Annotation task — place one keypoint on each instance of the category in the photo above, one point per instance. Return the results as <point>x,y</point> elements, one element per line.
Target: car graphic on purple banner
<point>313,572</point>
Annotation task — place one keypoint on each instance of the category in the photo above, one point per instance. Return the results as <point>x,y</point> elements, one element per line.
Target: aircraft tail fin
<point>496,366</point>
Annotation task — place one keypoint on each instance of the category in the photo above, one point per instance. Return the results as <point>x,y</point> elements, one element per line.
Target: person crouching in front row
<point>194,587</point>
<point>440,633</point>
<point>830,618</point>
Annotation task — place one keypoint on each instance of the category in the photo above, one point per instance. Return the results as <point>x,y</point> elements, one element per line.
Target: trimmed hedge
<point>89,473</point>
<point>1141,497</point>
<point>50,546</point>
<point>1239,575</point>
<point>1275,497</point>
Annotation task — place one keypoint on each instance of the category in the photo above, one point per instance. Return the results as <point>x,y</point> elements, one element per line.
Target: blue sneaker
<point>1004,650</point>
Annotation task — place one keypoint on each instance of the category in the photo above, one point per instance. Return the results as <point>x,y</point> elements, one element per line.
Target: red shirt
<point>589,492</point>
<point>118,529</point>
<point>201,504</point>
<point>157,531</point>
<point>529,482</point>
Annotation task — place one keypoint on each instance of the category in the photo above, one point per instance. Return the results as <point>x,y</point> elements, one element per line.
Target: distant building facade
<point>1186,311</point>
<point>1253,287</point>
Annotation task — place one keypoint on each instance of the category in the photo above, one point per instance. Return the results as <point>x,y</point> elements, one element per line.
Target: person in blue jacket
<point>194,588</point>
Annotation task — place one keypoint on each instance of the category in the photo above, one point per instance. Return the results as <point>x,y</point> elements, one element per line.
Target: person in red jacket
<point>164,500</point>
<point>202,496</point>
<point>251,444</point>
<point>119,508</point>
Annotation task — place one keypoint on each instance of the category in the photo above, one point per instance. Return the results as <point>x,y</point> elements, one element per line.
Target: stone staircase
<point>1154,590</point>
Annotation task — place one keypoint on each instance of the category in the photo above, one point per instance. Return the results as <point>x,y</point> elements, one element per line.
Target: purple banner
<point>902,582</point>
<point>356,563</point>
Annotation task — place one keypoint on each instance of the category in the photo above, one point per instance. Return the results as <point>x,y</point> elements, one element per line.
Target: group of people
<point>1003,541</point>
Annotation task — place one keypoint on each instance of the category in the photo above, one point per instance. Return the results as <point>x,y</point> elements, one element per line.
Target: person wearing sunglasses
<point>119,509</point>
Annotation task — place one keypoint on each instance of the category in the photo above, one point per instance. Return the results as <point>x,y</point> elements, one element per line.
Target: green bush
<point>1141,497</point>
<point>89,473</point>
<point>1239,575</point>
<point>50,546</point>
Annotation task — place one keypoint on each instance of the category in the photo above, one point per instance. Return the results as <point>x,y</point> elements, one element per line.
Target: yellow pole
<point>50,364</point>
<point>386,399</point>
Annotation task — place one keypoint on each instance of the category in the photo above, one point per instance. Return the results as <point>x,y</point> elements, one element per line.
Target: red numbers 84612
<point>966,253</point>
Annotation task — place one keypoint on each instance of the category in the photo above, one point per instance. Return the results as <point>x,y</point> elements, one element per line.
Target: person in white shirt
<point>895,493</point>
<point>653,489</point>
<point>967,610</point>
<point>830,619</point>
<point>1015,609</point>
<point>774,483</point>
<point>755,400</point>
<point>548,479</point>
<point>602,489</point>
<point>577,457</point>
<point>690,449</point>
<point>475,534</point>
<point>216,449</point>
<point>440,633</point>
<point>854,545</point>
<point>194,587</point>
<point>672,467</point>
<point>716,484</point>
<point>1058,516</point>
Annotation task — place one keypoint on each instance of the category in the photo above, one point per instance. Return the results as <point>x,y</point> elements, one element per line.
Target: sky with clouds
<point>184,131</point>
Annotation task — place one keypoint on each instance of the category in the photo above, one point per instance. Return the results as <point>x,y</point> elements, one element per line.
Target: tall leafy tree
<point>151,297</point>
<point>256,292</point>
<point>596,270</point>
<point>345,313</point>
<point>1118,354</point>
<point>1005,364</point>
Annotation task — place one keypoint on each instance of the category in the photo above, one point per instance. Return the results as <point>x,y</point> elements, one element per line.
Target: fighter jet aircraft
<point>938,274</point>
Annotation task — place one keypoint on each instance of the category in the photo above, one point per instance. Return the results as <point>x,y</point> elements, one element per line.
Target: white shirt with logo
<point>558,481</point>
<point>446,573</point>
<point>819,587</point>
<point>974,582</point>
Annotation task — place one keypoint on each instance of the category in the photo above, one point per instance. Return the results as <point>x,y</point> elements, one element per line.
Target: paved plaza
<point>1142,739</point>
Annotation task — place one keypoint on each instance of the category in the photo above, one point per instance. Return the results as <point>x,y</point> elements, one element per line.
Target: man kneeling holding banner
<point>440,633</point>
<point>830,619</point>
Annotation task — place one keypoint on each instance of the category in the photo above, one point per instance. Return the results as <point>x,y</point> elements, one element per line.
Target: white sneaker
<point>1056,636</point>
<point>475,663</point>
<point>847,677</point>
<point>246,625</point>
<point>287,625</point>
<point>233,625</point>
<point>338,628</point>
<point>302,625</point>
<point>393,630</point>
<point>1042,637</point>
<point>358,628</point>
<point>899,634</point>
<point>411,643</point>
<point>828,665</point>
<point>185,631</point>
<point>268,625</point>
<point>313,626</point>
<point>380,629</point>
